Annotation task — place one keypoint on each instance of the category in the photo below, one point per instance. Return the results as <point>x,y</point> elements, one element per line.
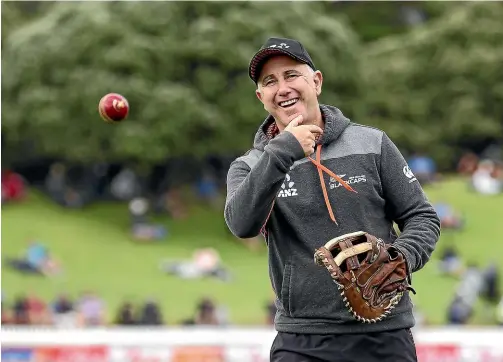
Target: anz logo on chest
<point>287,188</point>
<point>350,180</point>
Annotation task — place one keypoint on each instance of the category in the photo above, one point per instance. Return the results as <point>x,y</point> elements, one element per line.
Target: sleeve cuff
<point>408,259</point>
<point>286,148</point>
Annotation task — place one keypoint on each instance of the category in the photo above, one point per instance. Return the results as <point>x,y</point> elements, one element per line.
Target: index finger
<point>313,128</point>
<point>296,121</point>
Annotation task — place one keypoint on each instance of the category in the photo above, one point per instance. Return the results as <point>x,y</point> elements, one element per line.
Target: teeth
<point>288,103</point>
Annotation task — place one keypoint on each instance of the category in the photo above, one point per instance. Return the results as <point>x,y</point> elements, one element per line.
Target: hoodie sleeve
<point>407,205</point>
<point>253,186</point>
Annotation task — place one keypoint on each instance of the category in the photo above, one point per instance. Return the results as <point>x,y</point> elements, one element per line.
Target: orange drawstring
<point>322,168</point>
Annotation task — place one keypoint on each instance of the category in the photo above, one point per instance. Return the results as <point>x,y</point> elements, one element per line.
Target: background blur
<point>122,225</point>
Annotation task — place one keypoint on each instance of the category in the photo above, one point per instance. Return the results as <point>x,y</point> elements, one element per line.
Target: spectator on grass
<point>459,313</point>
<point>498,171</point>
<point>208,261</point>
<point>125,185</point>
<point>467,293</point>
<point>484,180</point>
<point>142,229</point>
<point>13,187</point>
<point>91,310</point>
<point>471,284</point>
<point>467,164</point>
<point>490,291</point>
<point>150,314</point>
<point>63,312</point>
<point>36,260</point>
<point>450,262</point>
<point>172,203</point>
<point>55,182</point>
<point>207,313</point>
<point>423,167</point>
<point>6,314</point>
<point>205,262</point>
<point>449,219</point>
<point>125,315</point>
<point>73,198</point>
<point>207,189</point>
<point>20,313</point>
<point>37,310</point>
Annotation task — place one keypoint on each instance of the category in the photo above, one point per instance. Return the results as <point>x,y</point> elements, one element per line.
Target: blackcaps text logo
<point>351,180</point>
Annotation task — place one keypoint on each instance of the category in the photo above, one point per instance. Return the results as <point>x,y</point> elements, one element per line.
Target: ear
<point>318,81</point>
<point>258,93</point>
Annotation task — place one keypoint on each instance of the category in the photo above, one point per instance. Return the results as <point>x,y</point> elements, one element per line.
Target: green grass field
<point>96,252</point>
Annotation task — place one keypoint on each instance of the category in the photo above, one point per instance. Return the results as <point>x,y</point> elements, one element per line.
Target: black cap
<point>278,46</point>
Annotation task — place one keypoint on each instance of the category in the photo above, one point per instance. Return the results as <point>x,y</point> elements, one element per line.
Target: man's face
<point>288,89</point>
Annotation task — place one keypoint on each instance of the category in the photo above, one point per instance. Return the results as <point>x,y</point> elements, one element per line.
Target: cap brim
<point>262,55</point>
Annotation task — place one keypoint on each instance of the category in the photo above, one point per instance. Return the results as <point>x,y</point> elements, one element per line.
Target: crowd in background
<point>89,310</point>
<point>144,196</point>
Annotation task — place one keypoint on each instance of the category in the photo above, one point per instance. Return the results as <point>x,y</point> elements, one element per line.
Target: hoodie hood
<point>335,124</point>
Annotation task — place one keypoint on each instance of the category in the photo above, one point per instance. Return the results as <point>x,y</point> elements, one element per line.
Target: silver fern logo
<point>287,188</point>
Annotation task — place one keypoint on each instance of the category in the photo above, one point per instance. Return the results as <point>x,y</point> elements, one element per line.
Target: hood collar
<point>335,124</point>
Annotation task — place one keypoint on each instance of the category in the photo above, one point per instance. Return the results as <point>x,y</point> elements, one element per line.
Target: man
<point>313,175</point>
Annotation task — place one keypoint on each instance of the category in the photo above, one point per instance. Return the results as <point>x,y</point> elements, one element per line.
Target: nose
<point>283,90</point>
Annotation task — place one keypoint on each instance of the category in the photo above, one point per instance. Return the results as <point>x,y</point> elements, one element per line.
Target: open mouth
<point>289,103</point>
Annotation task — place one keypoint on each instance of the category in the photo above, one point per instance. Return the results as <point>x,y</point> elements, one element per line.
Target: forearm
<point>252,186</point>
<point>408,206</point>
<point>420,233</point>
<point>246,211</point>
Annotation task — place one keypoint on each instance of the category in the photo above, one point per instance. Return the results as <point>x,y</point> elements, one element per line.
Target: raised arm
<point>253,182</point>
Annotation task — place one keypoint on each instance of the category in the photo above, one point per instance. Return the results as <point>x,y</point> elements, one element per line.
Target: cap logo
<point>280,46</point>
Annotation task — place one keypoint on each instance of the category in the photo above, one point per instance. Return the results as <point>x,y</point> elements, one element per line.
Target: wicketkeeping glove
<point>371,275</point>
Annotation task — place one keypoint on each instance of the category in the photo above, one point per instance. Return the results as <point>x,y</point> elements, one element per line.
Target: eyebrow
<point>286,72</point>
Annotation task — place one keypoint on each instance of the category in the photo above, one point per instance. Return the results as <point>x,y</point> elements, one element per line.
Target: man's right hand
<point>305,134</point>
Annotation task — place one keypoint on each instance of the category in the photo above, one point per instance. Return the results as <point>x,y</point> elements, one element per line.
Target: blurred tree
<point>373,20</point>
<point>17,13</point>
<point>182,66</point>
<point>441,84</point>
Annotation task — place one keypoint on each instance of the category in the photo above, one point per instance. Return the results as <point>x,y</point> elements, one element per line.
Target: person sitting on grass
<point>37,260</point>
<point>205,262</point>
<point>451,262</point>
<point>141,228</point>
<point>485,180</point>
<point>449,219</point>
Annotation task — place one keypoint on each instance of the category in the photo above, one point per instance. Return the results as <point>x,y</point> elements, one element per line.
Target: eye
<point>269,82</point>
<point>291,76</point>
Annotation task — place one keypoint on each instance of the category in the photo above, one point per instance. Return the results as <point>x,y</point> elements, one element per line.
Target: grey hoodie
<point>275,174</point>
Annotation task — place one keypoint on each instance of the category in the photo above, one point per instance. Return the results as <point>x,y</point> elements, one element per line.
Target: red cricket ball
<point>113,108</point>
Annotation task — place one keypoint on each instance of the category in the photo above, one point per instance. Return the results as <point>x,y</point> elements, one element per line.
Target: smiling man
<point>312,176</point>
